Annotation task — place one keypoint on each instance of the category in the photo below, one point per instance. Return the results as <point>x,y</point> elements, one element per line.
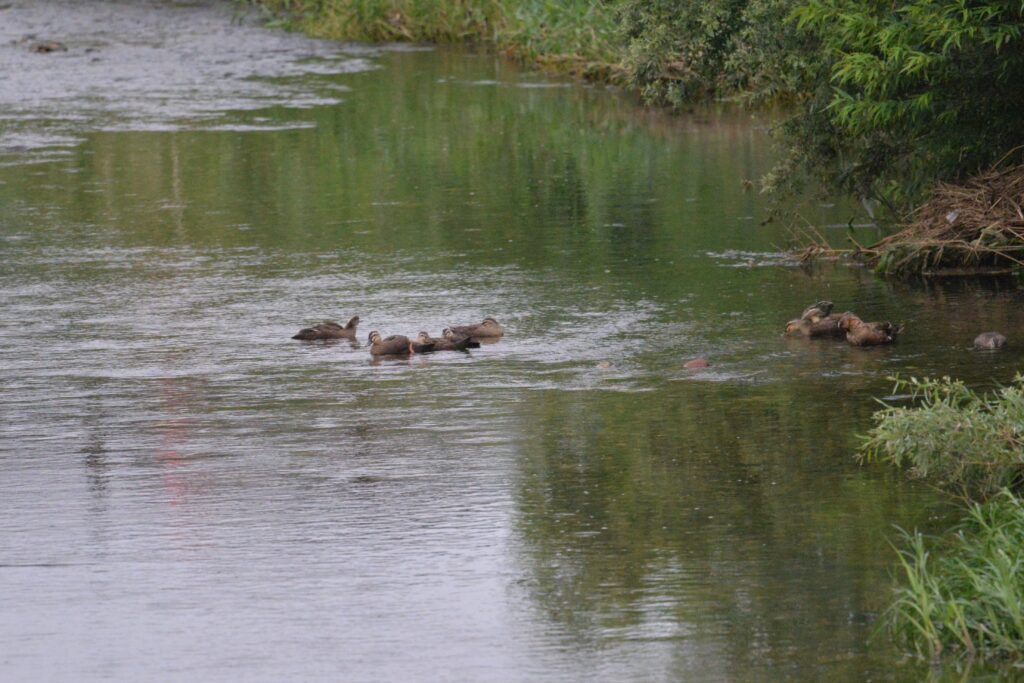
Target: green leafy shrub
<point>678,51</point>
<point>921,90</point>
<point>968,443</point>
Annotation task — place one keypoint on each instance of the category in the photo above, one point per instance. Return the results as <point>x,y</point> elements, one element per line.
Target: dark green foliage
<point>919,90</point>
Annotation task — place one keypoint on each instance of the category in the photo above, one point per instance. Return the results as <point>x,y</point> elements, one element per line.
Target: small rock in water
<point>989,340</point>
<point>696,364</point>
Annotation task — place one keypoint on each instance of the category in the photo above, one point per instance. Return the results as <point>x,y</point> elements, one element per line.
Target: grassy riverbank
<point>888,100</point>
<point>573,36</point>
<point>963,593</point>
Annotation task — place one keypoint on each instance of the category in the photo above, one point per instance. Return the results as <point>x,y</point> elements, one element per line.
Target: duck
<point>488,329</point>
<point>395,345</point>
<point>421,345</point>
<point>860,333</point>
<point>817,311</point>
<point>329,329</point>
<point>990,340</point>
<point>827,326</point>
<point>469,343</point>
<point>445,344</point>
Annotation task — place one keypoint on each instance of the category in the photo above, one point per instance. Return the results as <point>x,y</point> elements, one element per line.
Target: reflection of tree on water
<point>731,519</point>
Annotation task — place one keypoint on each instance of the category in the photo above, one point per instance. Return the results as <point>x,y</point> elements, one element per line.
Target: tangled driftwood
<point>976,225</point>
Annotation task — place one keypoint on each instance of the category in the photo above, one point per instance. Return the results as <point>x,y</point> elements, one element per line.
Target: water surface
<point>189,494</point>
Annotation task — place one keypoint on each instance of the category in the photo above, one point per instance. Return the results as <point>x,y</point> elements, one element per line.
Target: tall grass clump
<point>964,595</point>
<point>968,443</point>
<point>575,36</point>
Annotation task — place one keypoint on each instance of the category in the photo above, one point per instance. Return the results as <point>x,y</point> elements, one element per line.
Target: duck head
<point>374,337</point>
<point>795,326</point>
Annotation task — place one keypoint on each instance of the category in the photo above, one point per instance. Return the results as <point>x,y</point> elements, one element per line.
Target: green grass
<point>574,36</point>
<point>964,594</point>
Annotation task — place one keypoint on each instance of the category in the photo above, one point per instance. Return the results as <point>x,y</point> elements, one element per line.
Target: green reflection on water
<point>703,518</point>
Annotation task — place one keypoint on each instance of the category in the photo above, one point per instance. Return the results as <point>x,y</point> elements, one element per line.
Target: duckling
<point>817,311</point>
<point>395,345</point>
<point>444,344</point>
<point>989,340</point>
<point>860,333</point>
<point>827,326</point>
<point>468,342</point>
<point>488,329</point>
<point>329,330</point>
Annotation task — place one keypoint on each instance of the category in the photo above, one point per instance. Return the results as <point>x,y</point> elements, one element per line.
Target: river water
<point>188,494</point>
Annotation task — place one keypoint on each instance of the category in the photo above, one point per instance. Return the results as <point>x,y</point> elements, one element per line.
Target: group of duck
<point>818,320</point>
<point>455,338</point>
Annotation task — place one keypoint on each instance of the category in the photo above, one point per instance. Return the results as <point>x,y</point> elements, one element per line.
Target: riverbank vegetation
<point>963,593</point>
<point>890,102</point>
<point>572,36</point>
<point>969,443</point>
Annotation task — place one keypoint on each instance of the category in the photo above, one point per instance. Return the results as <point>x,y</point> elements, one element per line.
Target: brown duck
<point>395,345</point>
<point>421,345</point>
<point>488,329</point>
<point>330,330</point>
<point>467,342</point>
<point>443,344</point>
<point>817,311</point>
<point>827,326</point>
<point>860,333</point>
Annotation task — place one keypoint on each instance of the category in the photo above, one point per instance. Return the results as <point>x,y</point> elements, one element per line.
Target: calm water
<point>188,494</point>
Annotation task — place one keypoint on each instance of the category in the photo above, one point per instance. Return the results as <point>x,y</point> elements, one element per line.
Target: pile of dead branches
<point>974,226</point>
